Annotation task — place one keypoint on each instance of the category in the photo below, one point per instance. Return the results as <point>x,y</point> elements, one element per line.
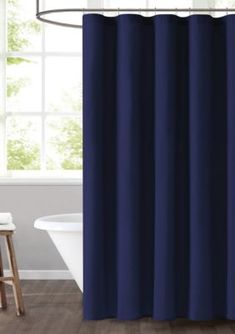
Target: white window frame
<point>29,177</point>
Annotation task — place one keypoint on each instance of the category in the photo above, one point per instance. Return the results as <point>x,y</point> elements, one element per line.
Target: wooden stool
<point>7,232</point>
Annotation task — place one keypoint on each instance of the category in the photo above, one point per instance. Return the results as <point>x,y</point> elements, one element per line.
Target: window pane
<point>23,84</point>
<point>23,30</point>
<point>126,4</point>
<point>63,84</point>
<point>50,4</point>
<point>1,86</point>
<point>74,17</point>
<point>23,143</point>
<point>171,4</point>
<point>63,143</point>
<point>2,140</point>
<point>70,39</point>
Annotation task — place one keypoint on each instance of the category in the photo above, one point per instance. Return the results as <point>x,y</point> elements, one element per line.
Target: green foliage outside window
<point>22,154</point>
<point>69,145</point>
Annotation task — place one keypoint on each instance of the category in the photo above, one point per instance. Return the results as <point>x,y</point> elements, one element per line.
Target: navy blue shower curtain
<point>159,167</point>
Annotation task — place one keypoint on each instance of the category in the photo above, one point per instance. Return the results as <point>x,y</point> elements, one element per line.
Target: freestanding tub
<point>66,233</point>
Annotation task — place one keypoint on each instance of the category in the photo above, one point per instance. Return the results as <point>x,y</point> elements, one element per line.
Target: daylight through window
<point>40,95</point>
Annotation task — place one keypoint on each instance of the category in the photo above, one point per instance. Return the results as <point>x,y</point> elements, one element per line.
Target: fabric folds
<point>159,167</point>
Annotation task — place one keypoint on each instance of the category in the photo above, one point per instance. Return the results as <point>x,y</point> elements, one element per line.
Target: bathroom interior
<point>48,72</point>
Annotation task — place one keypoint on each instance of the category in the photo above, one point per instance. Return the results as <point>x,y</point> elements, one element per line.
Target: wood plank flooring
<point>55,307</point>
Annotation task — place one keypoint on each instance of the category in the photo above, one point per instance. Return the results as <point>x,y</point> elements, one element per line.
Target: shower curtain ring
<point>226,10</point>
<point>118,11</point>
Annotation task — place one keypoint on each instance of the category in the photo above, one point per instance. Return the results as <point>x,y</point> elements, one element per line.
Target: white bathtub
<point>66,233</point>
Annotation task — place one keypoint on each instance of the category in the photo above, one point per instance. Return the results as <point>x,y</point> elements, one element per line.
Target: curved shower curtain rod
<point>40,15</point>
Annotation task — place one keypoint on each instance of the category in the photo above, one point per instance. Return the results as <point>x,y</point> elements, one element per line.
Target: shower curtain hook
<point>118,11</point>
<point>226,10</point>
<point>189,11</point>
<point>155,11</point>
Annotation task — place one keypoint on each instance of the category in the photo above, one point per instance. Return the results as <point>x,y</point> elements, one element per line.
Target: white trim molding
<point>40,181</point>
<point>42,274</point>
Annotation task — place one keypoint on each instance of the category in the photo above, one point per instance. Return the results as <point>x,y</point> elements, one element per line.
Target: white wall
<point>34,249</point>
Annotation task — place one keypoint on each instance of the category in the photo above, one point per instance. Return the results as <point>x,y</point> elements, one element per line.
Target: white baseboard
<point>42,274</point>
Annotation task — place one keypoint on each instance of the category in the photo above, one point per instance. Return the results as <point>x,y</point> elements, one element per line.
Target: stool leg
<point>16,282</point>
<point>2,285</point>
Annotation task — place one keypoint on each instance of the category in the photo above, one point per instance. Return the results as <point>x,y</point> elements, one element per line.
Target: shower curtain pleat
<point>171,169</point>
<point>200,164</point>
<point>100,172</point>
<point>230,30</point>
<point>166,147</point>
<point>159,167</point>
<point>134,169</point>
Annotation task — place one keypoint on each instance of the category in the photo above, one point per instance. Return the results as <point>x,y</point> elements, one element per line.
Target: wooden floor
<point>56,307</point>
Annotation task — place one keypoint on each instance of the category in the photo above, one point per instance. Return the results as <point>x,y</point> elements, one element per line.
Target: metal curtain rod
<point>40,14</point>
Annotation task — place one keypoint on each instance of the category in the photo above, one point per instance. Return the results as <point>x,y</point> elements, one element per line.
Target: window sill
<point>11,181</point>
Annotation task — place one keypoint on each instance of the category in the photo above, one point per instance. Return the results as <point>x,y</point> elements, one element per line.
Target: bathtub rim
<point>58,223</point>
